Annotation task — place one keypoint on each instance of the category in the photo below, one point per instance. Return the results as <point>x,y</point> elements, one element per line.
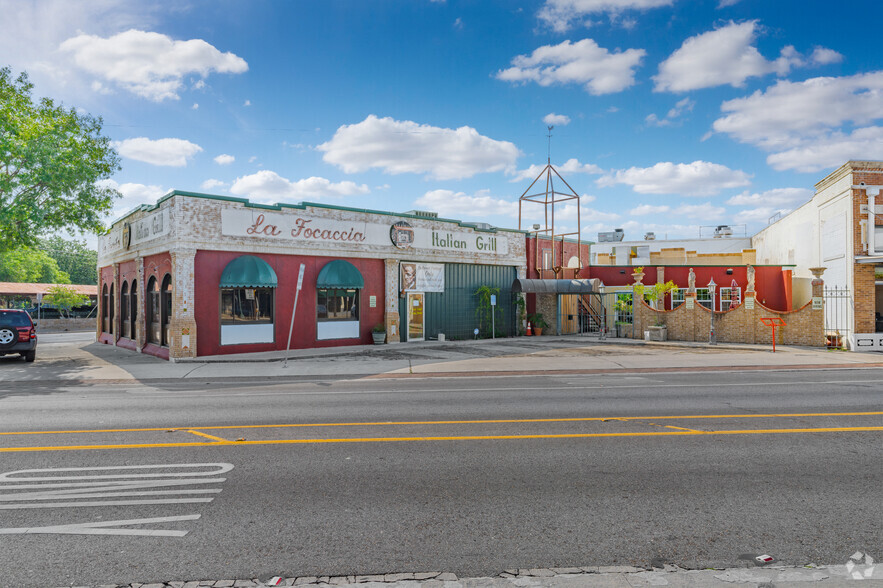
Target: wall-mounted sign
<point>322,232</point>
<point>402,235</point>
<point>139,231</point>
<point>423,277</point>
<point>127,235</point>
<point>818,303</point>
<point>691,301</point>
<point>372,302</point>
<point>749,303</point>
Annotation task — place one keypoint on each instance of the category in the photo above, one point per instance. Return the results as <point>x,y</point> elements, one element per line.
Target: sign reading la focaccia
<point>321,231</point>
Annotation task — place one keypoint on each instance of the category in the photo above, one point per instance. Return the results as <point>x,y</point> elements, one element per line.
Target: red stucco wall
<point>209,265</point>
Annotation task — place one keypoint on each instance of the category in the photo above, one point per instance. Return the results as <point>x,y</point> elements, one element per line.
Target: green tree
<point>64,298</point>
<point>50,161</point>
<point>74,258</point>
<point>31,266</point>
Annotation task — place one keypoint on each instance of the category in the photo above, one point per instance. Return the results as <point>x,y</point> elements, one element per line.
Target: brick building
<point>197,275</point>
<point>839,230</point>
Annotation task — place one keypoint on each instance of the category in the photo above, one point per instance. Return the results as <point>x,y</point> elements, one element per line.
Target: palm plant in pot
<point>537,323</point>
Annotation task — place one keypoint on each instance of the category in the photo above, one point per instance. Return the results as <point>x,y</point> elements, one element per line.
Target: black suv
<point>18,334</point>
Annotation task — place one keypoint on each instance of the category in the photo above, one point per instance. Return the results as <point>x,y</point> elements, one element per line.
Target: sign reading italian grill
<point>320,231</point>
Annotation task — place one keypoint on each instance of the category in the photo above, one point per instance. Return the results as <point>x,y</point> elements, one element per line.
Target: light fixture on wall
<point>729,271</point>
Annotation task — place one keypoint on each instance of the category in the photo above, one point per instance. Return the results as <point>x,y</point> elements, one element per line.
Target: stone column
<point>391,318</point>
<point>182,323</point>
<point>140,335</point>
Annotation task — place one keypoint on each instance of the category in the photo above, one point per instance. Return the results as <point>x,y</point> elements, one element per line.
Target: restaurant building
<point>200,275</point>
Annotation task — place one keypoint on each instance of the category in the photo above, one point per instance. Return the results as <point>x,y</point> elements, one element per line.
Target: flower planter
<point>379,338</point>
<point>537,331</point>
<point>656,333</point>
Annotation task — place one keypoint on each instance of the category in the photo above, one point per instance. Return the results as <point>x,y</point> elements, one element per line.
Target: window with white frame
<point>729,298</point>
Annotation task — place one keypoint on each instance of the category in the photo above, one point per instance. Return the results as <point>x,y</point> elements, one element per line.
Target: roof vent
<point>484,226</point>
<point>423,213</point>
<point>723,231</point>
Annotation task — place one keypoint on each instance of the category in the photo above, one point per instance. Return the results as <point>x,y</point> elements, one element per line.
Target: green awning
<point>248,271</point>
<point>340,274</point>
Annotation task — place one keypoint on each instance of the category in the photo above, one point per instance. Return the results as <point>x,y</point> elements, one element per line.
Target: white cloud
<point>672,116</point>
<point>823,56</point>
<point>645,209</point>
<point>583,62</point>
<point>558,120</point>
<point>776,197</point>
<point>133,195</point>
<point>571,166</point>
<point>560,13</point>
<point>268,186</point>
<point>727,56</point>
<point>701,212</point>
<point>454,204</point>
<point>211,184</point>
<point>148,64</point>
<point>399,147</point>
<point>799,122</point>
<point>833,150</point>
<point>166,152</point>
<point>757,215</point>
<point>224,159</point>
<point>247,103</point>
<point>700,178</point>
<point>725,3</point>
<point>195,106</point>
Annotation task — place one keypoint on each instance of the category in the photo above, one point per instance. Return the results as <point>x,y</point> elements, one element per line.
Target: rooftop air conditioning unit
<point>611,236</point>
<point>650,236</point>
<point>423,213</point>
<point>723,231</point>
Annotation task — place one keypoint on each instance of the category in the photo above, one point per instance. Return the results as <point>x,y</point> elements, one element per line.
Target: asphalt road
<point>468,475</point>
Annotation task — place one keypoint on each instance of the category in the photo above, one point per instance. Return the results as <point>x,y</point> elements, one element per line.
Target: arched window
<point>111,309</point>
<point>104,304</point>
<point>166,308</point>
<point>248,287</point>
<point>133,310</point>
<point>337,296</point>
<point>153,313</point>
<point>124,311</point>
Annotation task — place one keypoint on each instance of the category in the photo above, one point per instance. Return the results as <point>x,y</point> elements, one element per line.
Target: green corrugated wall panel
<point>452,312</point>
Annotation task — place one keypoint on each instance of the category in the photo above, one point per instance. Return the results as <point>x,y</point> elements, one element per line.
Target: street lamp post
<point>711,287</point>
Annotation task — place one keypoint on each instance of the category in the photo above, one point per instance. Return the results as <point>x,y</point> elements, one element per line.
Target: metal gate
<point>838,317</point>
<point>605,314</point>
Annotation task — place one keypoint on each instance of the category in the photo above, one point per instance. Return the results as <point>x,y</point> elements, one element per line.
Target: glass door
<point>415,316</point>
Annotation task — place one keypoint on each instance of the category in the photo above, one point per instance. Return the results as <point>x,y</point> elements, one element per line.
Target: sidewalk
<point>76,356</point>
<point>589,577</point>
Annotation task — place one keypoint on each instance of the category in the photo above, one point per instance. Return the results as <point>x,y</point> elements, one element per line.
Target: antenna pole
<point>549,159</point>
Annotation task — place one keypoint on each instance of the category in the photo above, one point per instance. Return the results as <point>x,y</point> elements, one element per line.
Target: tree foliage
<point>74,258</point>
<point>31,266</point>
<point>50,161</point>
<point>64,298</point>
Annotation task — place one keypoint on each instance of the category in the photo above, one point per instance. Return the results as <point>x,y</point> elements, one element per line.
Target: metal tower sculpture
<point>549,199</point>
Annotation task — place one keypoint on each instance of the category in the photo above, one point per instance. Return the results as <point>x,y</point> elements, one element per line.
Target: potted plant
<point>537,323</point>
<point>379,334</point>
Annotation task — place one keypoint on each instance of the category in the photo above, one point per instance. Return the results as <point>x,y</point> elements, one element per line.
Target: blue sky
<point>669,114</point>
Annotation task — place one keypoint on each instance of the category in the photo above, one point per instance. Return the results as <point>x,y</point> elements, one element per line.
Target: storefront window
<point>111,307</point>
<point>166,305</point>
<point>338,305</point>
<point>124,310</point>
<point>246,306</point>
<point>153,313</point>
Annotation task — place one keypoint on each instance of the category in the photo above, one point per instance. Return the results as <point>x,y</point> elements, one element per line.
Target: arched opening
<point>153,314</point>
<point>104,304</point>
<point>133,310</point>
<point>166,309</point>
<point>111,309</point>
<point>124,311</point>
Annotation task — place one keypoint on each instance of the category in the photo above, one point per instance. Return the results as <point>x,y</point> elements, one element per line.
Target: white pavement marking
<point>28,489</point>
<point>101,528</point>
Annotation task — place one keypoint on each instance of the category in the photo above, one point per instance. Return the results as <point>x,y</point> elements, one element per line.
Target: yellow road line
<point>458,438</point>
<point>461,422</point>
<point>208,436</point>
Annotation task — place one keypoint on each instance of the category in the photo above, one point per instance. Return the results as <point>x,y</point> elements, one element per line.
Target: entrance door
<point>415,316</point>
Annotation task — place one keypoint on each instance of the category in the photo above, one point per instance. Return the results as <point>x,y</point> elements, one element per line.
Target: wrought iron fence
<point>838,317</point>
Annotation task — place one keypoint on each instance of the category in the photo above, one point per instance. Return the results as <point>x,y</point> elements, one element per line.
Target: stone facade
<point>165,240</point>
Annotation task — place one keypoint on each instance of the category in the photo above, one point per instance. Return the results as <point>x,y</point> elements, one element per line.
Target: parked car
<point>18,334</point>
